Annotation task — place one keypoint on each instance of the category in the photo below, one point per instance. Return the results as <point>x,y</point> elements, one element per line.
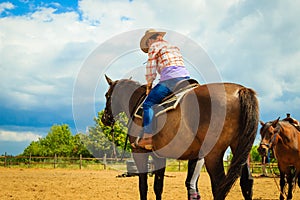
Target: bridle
<point>107,117</point>
<point>271,144</point>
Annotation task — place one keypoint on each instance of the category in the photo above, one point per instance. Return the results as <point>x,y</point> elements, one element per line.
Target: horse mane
<point>129,82</point>
<point>137,94</point>
<point>135,84</point>
<point>280,124</point>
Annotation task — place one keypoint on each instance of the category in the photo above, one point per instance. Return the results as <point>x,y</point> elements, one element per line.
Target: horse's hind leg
<point>215,168</point>
<point>246,182</point>
<point>191,182</point>
<point>159,174</point>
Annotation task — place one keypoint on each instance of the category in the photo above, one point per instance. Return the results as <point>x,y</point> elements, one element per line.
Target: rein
<point>270,144</point>
<point>112,132</point>
<point>130,121</point>
<point>274,178</point>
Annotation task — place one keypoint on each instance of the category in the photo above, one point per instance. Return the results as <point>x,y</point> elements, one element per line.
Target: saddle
<point>293,122</point>
<point>171,101</point>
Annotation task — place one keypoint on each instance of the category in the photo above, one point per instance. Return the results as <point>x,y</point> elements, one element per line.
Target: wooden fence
<point>102,163</point>
<point>54,161</point>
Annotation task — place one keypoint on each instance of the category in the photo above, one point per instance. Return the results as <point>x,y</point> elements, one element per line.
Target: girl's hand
<point>148,88</point>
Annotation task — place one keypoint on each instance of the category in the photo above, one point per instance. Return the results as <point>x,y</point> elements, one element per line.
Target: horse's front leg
<point>191,182</point>
<point>141,162</point>
<point>298,178</point>
<point>291,181</point>
<point>159,175</point>
<point>282,185</point>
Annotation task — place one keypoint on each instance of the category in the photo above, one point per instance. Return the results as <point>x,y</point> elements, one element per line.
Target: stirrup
<point>135,144</point>
<point>149,147</point>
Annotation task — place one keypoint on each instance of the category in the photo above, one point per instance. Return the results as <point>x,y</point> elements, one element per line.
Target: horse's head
<point>108,117</point>
<point>268,133</point>
<point>122,96</point>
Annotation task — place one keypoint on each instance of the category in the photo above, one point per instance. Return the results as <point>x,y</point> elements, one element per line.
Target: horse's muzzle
<point>263,149</point>
<point>107,120</point>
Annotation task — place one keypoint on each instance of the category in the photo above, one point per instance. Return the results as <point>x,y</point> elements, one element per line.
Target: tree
<point>100,139</point>
<point>255,156</point>
<point>59,141</point>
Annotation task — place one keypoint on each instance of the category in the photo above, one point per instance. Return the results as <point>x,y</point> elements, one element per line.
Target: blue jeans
<point>156,95</point>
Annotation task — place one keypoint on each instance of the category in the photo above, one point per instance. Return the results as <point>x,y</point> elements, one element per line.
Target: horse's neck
<point>286,126</point>
<point>288,132</point>
<point>130,94</point>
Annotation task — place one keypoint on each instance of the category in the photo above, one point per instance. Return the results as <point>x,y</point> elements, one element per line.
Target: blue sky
<point>44,46</point>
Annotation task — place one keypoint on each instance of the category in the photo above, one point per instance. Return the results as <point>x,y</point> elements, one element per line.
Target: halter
<point>270,144</point>
<point>108,117</point>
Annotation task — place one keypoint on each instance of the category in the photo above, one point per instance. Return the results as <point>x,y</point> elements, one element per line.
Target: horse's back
<point>216,103</point>
<point>219,90</point>
<point>210,114</point>
<point>206,120</point>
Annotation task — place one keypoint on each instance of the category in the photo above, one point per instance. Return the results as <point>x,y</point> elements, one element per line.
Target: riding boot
<point>193,195</point>
<point>146,141</point>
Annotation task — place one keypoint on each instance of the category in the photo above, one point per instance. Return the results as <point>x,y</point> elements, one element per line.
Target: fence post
<point>55,158</point>
<point>80,162</point>
<point>29,160</point>
<point>5,159</point>
<point>104,161</point>
<point>179,165</point>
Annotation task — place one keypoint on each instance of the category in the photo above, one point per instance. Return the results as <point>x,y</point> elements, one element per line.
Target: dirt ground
<point>23,184</point>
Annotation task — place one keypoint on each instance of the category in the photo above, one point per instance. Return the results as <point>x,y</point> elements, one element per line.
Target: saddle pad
<point>169,104</point>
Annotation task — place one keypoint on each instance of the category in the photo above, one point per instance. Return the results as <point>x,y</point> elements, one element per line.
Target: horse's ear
<point>109,81</point>
<point>274,123</point>
<point>261,123</point>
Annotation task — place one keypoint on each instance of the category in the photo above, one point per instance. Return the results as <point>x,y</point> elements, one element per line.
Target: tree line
<point>99,140</point>
<point>96,142</point>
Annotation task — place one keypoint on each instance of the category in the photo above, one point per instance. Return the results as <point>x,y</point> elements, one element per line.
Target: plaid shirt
<point>161,55</point>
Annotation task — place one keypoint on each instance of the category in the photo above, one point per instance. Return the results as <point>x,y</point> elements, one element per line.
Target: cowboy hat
<point>148,34</point>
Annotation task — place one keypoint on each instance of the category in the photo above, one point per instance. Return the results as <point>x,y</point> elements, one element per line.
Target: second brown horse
<point>284,139</point>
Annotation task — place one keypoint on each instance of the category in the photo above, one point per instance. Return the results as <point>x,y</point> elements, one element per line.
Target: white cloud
<point>252,43</point>
<point>40,56</point>
<point>6,6</point>
<point>18,136</point>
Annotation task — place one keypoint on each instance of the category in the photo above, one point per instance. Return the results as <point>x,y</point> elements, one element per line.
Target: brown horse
<point>283,138</point>
<point>208,120</point>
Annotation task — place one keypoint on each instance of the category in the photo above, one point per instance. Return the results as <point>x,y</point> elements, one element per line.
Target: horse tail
<point>249,118</point>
